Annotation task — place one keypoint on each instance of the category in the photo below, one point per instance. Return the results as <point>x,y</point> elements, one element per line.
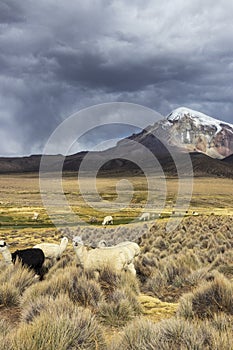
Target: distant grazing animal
<point>119,257</point>
<point>53,250</point>
<point>35,216</point>
<point>145,217</point>
<point>32,258</point>
<point>107,220</point>
<point>93,220</point>
<point>194,213</point>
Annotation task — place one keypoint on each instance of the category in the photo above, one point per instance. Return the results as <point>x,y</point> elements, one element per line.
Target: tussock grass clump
<point>13,281</point>
<point>20,276</point>
<point>155,284</point>
<point>5,329</point>
<point>109,280</point>
<point>180,334</point>
<point>58,284</point>
<point>60,305</point>
<point>120,306</point>
<point>121,303</point>
<point>126,293</point>
<point>173,334</point>
<point>130,281</point>
<point>138,335</point>
<point>70,281</point>
<point>59,266</point>
<point>51,331</point>
<point>197,276</point>
<point>208,299</point>
<point>85,292</point>
<point>9,294</point>
<point>221,322</point>
<point>116,313</point>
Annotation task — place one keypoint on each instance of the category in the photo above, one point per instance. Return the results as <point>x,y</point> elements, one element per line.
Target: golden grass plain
<point>20,197</point>
<point>165,261</point>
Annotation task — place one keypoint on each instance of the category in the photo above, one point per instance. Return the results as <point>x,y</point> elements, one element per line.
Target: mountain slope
<point>196,132</point>
<point>182,131</point>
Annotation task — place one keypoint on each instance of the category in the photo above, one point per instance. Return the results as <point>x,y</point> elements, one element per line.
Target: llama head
<point>64,241</point>
<point>3,246</point>
<point>77,240</point>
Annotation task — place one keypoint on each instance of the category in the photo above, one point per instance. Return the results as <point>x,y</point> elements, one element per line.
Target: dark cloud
<point>58,57</point>
<point>11,11</point>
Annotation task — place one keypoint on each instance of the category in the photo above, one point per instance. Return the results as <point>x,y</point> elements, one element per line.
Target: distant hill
<point>20,164</point>
<point>228,160</point>
<point>202,164</point>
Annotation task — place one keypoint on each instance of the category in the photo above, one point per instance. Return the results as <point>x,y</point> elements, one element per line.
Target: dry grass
<point>56,330</point>
<point>156,310</point>
<point>20,197</point>
<point>208,299</point>
<point>173,263</point>
<point>71,309</point>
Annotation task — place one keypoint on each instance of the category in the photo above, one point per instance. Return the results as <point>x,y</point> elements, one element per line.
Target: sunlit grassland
<point>20,197</point>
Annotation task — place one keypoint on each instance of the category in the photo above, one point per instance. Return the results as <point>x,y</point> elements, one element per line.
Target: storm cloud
<point>58,57</point>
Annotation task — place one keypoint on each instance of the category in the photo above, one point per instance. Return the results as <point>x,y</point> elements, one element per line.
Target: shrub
<point>210,298</point>
<point>70,281</point>
<point>9,294</point>
<point>51,331</point>
<point>177,333</point>
<point>85,292</point>
<point>58,284</point>
<point>60,305</point>
<point>22,277</point>
<point>138,335</point>
<point>109,280</point>
<point>118,309</point>
<point>185,308</point>
<point>13,281</point>
<point>155,283</point>
<point>128,280</point>
<point>59,266</point>
<point>173,334</point>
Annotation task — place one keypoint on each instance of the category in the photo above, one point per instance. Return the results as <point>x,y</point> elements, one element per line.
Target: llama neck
<point>63,246</point>
<point>7,256</point>
<point>81,253</point>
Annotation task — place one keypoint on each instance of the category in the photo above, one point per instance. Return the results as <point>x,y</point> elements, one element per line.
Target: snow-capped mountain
<point>198,132</point>
<point>184,130</point>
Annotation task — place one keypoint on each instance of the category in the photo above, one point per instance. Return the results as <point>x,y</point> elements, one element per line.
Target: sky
<point>58,57</point>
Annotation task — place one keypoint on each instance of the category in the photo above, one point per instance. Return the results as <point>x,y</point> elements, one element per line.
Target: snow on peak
<point>197,117</point>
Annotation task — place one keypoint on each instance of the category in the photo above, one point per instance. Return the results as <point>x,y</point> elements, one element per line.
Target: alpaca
<point>32,258</point>
<point>53,250</point>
